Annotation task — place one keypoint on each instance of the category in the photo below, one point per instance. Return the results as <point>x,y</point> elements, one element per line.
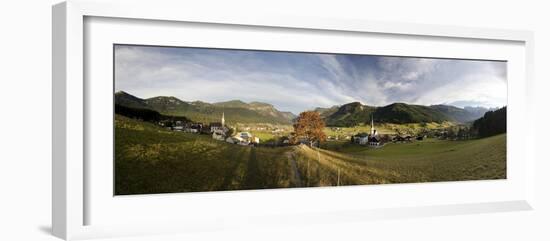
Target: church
<point>219,126</point>
<point>370,139</point>
<point>374,139</point>
<point>218,129</point>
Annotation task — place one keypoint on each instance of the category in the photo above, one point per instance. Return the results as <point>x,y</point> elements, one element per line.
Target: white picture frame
<point>72,113</point>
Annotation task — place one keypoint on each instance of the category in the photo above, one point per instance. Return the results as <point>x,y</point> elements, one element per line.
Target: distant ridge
<point>462,115</point>
<point>355,113</point>
<point>199,111</point>
<point>350,114</point>
<point>124,99</point>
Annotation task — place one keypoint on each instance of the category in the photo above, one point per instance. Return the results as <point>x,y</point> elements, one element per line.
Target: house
<point>191,130</point>
<point>193,127</point>
<point>285,140</point>
<point>218,135</point>
<point>361,138</point>
<point>243,138</point>
<point>398,139</point>
<point>244,135</point>
<point>402,139</point>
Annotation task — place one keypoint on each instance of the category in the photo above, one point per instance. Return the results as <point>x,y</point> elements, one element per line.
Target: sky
<point>302,81</point>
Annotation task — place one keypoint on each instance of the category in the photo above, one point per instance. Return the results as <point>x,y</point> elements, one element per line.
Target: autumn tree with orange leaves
<point>309,126</point>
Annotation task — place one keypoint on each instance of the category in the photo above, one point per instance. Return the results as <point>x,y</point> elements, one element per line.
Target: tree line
<point>492,123</point>
<point>147,115</point>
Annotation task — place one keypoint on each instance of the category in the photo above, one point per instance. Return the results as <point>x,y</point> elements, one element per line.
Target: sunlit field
<point>150,159</point>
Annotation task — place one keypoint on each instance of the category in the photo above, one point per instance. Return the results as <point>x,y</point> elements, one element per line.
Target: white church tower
<point>372,130</point>
<point>223,119</point>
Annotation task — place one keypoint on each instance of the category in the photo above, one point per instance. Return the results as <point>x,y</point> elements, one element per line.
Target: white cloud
<point>297,82</point>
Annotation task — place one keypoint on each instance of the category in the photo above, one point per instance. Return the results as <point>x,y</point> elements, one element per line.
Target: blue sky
<point>302,81</point>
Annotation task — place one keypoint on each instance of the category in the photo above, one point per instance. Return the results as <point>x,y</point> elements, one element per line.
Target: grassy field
<point>426,161</point>
<point>149,159</point>
<point>265,136</point>
<point>152,160</point>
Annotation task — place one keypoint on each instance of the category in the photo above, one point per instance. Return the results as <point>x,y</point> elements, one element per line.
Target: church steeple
<point>223,119</point>
<point>372,130</point>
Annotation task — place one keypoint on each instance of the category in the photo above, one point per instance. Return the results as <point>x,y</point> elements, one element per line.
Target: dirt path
<point>232,175</point>
<point>296,176</point>
<point>252,179</point>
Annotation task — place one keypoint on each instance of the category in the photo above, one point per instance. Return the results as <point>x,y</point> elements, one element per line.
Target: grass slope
<point>149,159</point>
<point>426,161</point>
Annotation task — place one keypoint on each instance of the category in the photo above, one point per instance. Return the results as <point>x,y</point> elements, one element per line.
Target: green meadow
<point>149,159</point>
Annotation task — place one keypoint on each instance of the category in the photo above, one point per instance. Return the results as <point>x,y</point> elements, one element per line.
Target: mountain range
<point>355,113</point>
<point>350,114</point>
<point>234,110</point>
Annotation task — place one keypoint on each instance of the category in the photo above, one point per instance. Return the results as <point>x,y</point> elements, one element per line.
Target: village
<point>218,130</point>
<point>241,134</point>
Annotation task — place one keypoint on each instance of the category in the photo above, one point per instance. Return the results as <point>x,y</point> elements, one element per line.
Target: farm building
<point>243,138</point>
<point>285,140</point>
<point>402,139</point>
<point>218,135</point>
<point>361,138</point>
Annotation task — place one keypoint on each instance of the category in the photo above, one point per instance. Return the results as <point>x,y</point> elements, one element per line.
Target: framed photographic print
<point>179,121</point>
<point>202,119</point>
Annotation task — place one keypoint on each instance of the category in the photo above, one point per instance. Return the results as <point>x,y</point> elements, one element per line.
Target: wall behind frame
<point>25,163</point>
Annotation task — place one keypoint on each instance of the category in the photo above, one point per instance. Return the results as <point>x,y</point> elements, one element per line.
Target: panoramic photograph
<point>192,119</point>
